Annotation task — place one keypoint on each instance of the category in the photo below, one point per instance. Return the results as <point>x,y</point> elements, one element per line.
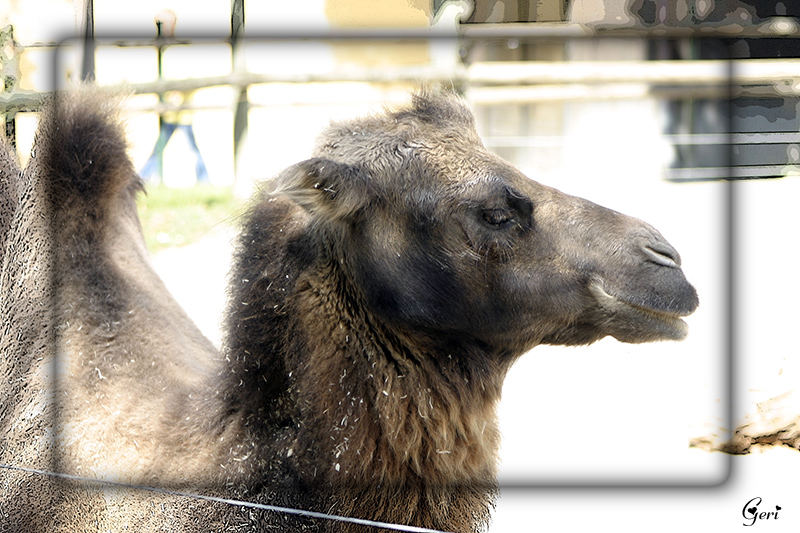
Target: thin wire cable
<point>227,501</point>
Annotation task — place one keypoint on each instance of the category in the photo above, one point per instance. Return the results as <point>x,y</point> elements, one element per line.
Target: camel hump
<point>81,153</point>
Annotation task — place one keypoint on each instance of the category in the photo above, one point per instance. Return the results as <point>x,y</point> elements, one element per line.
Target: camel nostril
<point>662,254</point>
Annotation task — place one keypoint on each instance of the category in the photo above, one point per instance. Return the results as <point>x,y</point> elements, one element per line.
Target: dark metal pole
<point>88,67</point>
<point>160,67</point>
<point>240,120</point>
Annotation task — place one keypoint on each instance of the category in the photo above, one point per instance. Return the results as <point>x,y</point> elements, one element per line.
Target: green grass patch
<point>181,216</point>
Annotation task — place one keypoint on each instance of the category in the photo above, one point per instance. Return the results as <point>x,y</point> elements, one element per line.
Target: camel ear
<point>325,188</point>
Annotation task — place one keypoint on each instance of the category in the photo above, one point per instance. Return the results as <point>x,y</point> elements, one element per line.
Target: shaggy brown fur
<point>380,292</point>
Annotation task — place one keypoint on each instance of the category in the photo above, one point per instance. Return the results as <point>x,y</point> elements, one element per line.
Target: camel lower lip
<point>662,315</point>
<point>672,319</point>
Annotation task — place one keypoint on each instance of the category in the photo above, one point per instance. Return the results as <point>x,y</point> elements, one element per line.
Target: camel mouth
<point>637,322</point>
<point>672,319</point>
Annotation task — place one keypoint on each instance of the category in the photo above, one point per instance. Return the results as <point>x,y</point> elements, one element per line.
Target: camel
<point>380,292</point>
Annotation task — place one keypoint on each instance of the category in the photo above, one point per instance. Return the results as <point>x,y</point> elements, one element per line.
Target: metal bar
<point>776,27</point>
<point>733,173</point>
<point>240,117</point>
<point>159,150</point>
<point>695,139</point>
<point>88,65</point>
<point>237,20</point>
<point>677,72</point>
<point>520,94</point>
<point>736,138</point>
<point>30,101</point>
<point>526,30</point>
<point>658,73</point>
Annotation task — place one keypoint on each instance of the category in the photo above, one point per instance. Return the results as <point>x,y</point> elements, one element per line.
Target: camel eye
<point>497,218</point>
